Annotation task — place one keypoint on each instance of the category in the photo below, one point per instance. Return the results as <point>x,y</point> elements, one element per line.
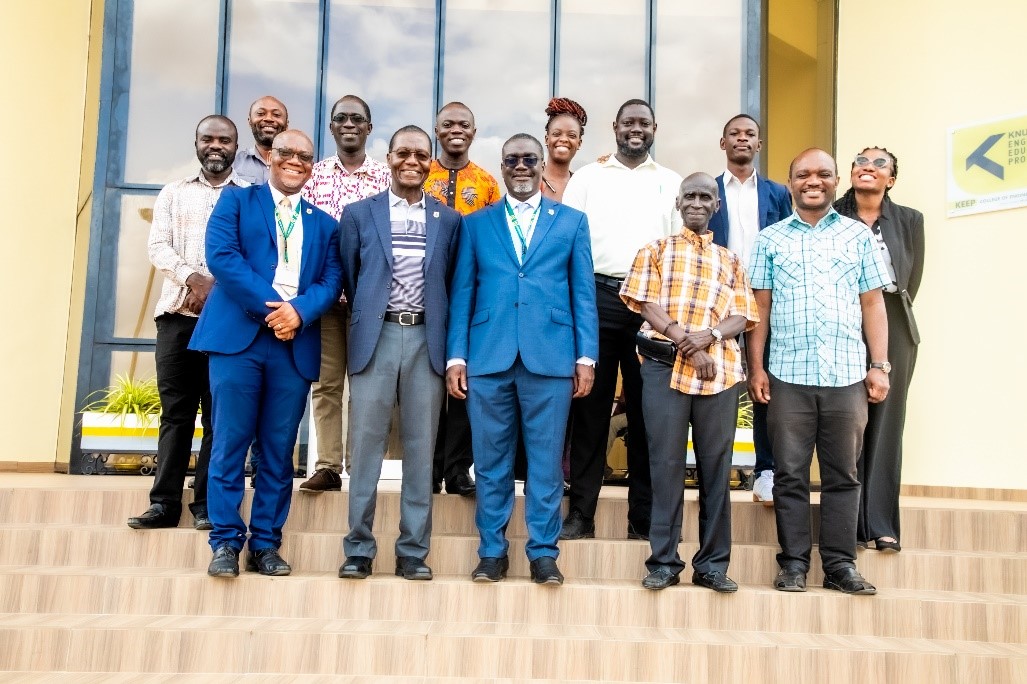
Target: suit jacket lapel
<point>498,215</point>
<point>381,215</point>
<point>546,216</point>
<point>311,231</point>
<point>431,223</point>
<point>890,233</point>
<point>762,201</point>
<point>267,209</point>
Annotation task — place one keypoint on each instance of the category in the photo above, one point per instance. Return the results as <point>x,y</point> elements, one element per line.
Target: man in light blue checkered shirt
<point>817,277</point>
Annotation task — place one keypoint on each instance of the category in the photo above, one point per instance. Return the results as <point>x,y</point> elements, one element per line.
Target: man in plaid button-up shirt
<point>817,277</point>
<point>695,294</point>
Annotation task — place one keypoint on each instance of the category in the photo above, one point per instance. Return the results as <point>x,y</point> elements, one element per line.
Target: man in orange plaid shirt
<point>694,294</point>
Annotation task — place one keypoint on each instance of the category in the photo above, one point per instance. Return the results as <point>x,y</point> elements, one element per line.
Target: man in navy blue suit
<point>397,249</point>
<point>275,260</point>
<point>748,204</point>
<point>523,336</point>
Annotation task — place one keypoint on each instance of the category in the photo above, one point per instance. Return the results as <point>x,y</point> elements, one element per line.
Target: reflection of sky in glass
<point>384,52</point>
<point>698,81</point>
<point>602,64</point>
<point>173,72</point>
<point>273,51</point>
<point>497,63</point>
<point>138,282</point>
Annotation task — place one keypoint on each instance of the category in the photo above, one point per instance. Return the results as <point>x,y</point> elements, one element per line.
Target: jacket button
<point>381,315</point>
<point>520,275</point>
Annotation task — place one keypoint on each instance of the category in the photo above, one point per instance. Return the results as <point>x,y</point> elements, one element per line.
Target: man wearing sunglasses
<point>345,177</point>
<point>275,260</point>
<point>523,336</point>
<point>397,248</point>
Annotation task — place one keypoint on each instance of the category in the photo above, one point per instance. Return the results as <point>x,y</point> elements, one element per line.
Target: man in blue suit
<point>397,250</point>
<point>749,204</point>
<point>275,260</point>
<point>523,336</point>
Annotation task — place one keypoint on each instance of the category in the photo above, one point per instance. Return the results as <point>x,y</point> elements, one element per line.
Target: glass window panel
<point>602,64</point>
<point>497,63</point>
<point>138,283</point>
<point>171,86</point>
<point>384,52</point>
<point>138,365</point>
<point>273,51</point>
<point>698,81</point>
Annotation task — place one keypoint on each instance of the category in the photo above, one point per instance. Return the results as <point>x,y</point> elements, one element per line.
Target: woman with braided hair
<point>564,131</point>
<point>900,235</point>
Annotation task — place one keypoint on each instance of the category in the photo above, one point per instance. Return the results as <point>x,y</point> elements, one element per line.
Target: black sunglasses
<point>529,160</point>
<point>357,119</point>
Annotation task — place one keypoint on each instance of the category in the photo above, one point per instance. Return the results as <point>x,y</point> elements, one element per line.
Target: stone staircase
<point>84,598</point>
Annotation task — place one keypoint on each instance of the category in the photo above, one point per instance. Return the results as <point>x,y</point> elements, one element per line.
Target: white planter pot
<point>110,433</point>
<point>744,455</point>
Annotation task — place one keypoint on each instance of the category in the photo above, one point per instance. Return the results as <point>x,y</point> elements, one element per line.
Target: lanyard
<point>517,226</point>
<point>286,232</point>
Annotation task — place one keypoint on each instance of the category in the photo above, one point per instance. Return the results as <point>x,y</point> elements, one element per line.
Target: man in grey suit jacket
<point>397,248</point>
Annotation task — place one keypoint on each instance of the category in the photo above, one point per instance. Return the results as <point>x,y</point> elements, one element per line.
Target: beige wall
<point>907,71</point>
<point>44,47</point>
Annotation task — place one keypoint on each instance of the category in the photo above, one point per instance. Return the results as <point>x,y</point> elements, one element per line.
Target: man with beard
<point>817,277</point>
<point>276,261</point>
<point>267,118</point>
<point>457,182</point>
<point>748,204</point>
<point>629,200</point>
<point>523,338</point>
<point>345,177</point>
<point>176,248</point>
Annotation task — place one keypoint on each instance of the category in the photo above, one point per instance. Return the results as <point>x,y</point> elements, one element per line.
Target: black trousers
<point>832,420</point>
<point>183,386</point>
<point>591,415</point>
<point>453,453</point>
<point>668,413</point>
<point>880,466</point>
<point>760,433</point>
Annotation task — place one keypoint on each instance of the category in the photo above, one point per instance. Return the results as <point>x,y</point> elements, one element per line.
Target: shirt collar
<point>613,161</point>
<point>364,168</point>
<point>703,241</point>
<point>277,196</point>
<point>252,151</point>
<point>830,218</point>
<point>731,179</point>
<point>397,201</point>
<point>233,179</point>
<point>534,201</point>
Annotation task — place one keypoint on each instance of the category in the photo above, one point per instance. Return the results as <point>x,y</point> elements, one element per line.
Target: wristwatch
<point>884,366</point>
<point>717,335</point>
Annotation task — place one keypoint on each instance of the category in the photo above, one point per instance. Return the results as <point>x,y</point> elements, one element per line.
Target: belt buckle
<point>405,316</point>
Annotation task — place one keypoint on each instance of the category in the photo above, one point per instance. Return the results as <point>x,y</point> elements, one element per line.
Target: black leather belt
<point>406,317</point>
<point>609,281</point>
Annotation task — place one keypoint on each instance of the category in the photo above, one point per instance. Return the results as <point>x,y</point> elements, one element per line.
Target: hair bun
<point>565,105</point>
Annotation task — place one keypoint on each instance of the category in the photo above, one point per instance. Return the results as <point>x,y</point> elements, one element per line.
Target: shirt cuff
<point>183,272</point>
<point>455,362</point>
<point>585,361</point>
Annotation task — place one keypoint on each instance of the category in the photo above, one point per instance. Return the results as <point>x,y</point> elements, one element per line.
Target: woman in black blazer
<point>900,234</point>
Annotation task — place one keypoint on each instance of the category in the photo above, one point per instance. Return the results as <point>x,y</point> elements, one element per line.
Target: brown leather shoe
<point>324,480</point>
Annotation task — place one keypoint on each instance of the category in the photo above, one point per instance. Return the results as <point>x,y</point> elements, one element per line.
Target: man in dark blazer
<point>523,336</point>
<point>275,261</point>
<point>397,248</point>
<point>748,204</point>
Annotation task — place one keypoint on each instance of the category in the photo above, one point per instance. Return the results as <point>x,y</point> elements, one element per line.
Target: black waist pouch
<point>660,351</point>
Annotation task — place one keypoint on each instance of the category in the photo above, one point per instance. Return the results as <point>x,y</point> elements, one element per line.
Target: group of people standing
<point>417,279</point>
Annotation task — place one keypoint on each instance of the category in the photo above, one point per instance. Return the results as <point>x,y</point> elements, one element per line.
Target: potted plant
<point>124,418</point>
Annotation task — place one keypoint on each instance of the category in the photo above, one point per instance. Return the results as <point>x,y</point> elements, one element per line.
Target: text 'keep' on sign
<point>988,166</point>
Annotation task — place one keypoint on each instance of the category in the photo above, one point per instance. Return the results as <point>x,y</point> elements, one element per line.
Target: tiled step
<point>236,678</point>
<point>897,613</point>
<point>120,546</point>
<point>413,648</point>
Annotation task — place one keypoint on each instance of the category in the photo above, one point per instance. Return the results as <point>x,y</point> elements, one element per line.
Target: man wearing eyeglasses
<point>397,248</point>
<point>523,336</point>
<point>276,266</point>
<point>345,177</point>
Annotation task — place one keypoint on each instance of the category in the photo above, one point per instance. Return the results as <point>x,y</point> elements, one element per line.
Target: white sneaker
<point>763,488</point>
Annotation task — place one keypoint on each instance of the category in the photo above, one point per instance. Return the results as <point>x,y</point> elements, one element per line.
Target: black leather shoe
<point>462,484</point>
<point>267,562</point>
<point>411,568</point>
<point>638,531</point>
<point>790,579</point>
<point>355,567</point>
<point>576,526</point>
<point>849,581</point>
<point>544,571</point>
<point>716,580</point>
<point>156,516</point>
<point>491,570</point>
<point>660,578</point>
<point>201,521</point>
<point>436,486</point>
<point>324,480</point>
<point>225,562</point>
<point>887,546</point>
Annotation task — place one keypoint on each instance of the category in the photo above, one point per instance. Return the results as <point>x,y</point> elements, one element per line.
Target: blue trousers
<point>258,396</point>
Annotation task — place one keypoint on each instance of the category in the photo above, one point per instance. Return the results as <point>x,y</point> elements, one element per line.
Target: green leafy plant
<point>126,397</point>
<point>744,412</point>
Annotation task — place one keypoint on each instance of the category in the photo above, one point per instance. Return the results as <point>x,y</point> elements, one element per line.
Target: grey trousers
<point>667,416</point>
<point>400,373</point>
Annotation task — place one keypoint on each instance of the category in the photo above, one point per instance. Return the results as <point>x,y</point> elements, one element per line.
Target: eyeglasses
<point>403,154</point>
<point>357,119</point>
<point>529,160</point>
<point>861,160</point>
<point>287,153</point>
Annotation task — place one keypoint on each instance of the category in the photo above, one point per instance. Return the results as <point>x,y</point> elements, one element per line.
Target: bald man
<point>275,260</point>
<point>267,118</point>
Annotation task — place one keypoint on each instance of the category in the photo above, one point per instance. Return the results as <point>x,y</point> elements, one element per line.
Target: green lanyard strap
<point>517,226</point>
<point>286,232</point>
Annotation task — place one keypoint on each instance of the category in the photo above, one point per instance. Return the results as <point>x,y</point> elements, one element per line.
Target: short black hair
<point>411,128</point>
<point>526,136</point>
<point>355,98</point>
<point>750,117</point>
<point>218,117</point>
<point>635,101</point>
